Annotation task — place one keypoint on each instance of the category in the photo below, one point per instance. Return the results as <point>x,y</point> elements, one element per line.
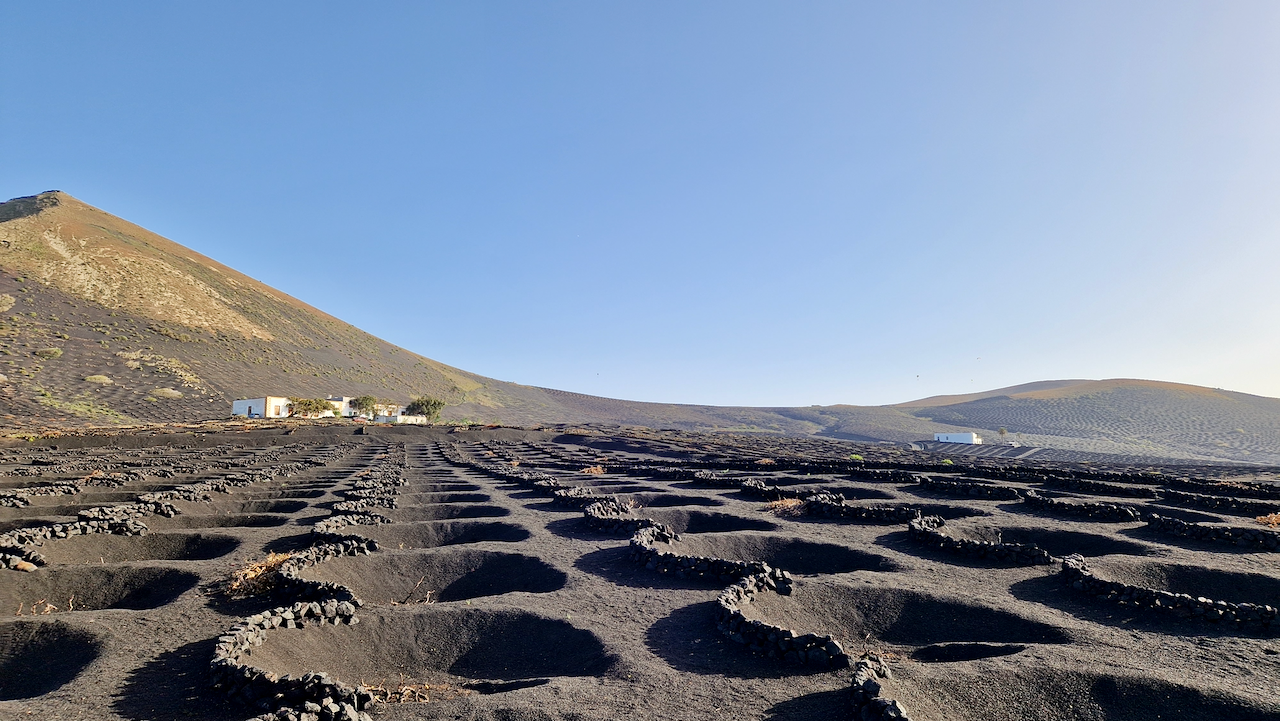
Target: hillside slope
<point>167,334</point>
<point>1163,418</point>
<point>100,289</point>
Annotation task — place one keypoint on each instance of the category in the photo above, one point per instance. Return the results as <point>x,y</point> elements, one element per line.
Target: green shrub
<point>309,407</point>
<point>49,353</point>
<point>425,406</point>
<point>101,380</point>
<point>364,405</point>
<point>167,393</point>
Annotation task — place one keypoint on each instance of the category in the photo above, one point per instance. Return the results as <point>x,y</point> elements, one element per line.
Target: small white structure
<point>972,439</point>
<point>278,407</point>
<point>403,420</point>
<point>265,407</point>
<point>341,406</point>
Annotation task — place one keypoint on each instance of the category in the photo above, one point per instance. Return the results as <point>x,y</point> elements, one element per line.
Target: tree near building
<point>425,406</point>
<point>309,407</point>
<point>365,405</point>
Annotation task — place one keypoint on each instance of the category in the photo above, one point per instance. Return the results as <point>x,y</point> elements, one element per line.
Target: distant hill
<point>166,334</point>
<point>1142,416</point>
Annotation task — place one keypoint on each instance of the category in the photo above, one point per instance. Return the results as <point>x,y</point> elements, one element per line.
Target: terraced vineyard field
<point>346,572</point>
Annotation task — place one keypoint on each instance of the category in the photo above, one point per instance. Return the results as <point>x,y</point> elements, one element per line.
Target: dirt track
<point>497,593</point>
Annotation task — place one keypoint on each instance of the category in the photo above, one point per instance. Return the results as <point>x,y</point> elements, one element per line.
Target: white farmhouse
<point>265,407</point>
<point>341,406</point>
<point>388,413</point>
<point>972,439</point>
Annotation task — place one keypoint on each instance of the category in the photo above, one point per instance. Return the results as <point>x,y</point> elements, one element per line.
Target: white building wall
<point>265,407</point>
<point>970,438</point>
<point>408,420</point>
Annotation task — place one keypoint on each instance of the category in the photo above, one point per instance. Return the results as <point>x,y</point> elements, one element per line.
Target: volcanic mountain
<point>106,323</point>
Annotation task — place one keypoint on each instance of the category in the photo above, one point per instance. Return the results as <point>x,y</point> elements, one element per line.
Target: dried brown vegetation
<point>407,692</point>
<point>1271,519</point>
<point>257,577</point>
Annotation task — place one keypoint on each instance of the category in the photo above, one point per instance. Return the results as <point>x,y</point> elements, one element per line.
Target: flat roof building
<point>972,439</point>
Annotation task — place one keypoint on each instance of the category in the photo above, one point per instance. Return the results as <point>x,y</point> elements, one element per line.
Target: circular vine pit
<point>453,575</point>
<point>37,657</point>
<point>105,548</point>
<point>437,645</point>
<point>88,499</point>
<point>207,520</point>
<point>897,616</point>
<point>1015,694</point>
<point>855,493</point>
<point>788,553</point>
<point>1057,542</point>
<point>1195,581</point>
<point>44,511</point>
<point>440,488</point>
<point>432,534</point>
<point>671,500</point>
<point>445,512</point>
<point>957,652</point>
<point>79,588</point>
<point>703,522</point>
<point>284,494</point>
<point>236,507</point>
<point>412,499</point>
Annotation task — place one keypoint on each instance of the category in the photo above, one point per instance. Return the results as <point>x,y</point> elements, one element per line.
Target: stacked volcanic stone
<point>880,475</point>
<point>17,497</point>
<point>644,551</point>
<point>1225,504</point>
<point>313,697</point>
<point>333,455</point>
<point>128,511</point>
<point>1077,575</point>
<point>868,704</point>
<point>1259,538</point>
<point>609,515</point>
<point>831,505</point>
<point>577,497</point>
<point>969,489</point>
<point>1098,487</point>
<point>769,640</point>
<point>333,524</point>
<point>662,473</point>
<point>928,530</point>
<point>199,492</point>
<point>115,479</point>
<point>1241,489</point>
<point>716,480</point>
<point>378,485</point>
<point>20,559</point>
<point>1113,512</point>
<point>289,584</point>
<point>757,488</point>
<point>39,534</point>
<point>536,480</point>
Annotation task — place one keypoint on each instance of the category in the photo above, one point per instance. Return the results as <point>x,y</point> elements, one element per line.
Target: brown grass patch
<point>257,577</point>
<point>786,507</point>
<point>1271,519</point>
<point>405,692</point>
<point>44,608</point>
<point>593,470</point>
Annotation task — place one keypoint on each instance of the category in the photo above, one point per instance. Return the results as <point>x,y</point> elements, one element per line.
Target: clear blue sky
<point>729,203</point>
